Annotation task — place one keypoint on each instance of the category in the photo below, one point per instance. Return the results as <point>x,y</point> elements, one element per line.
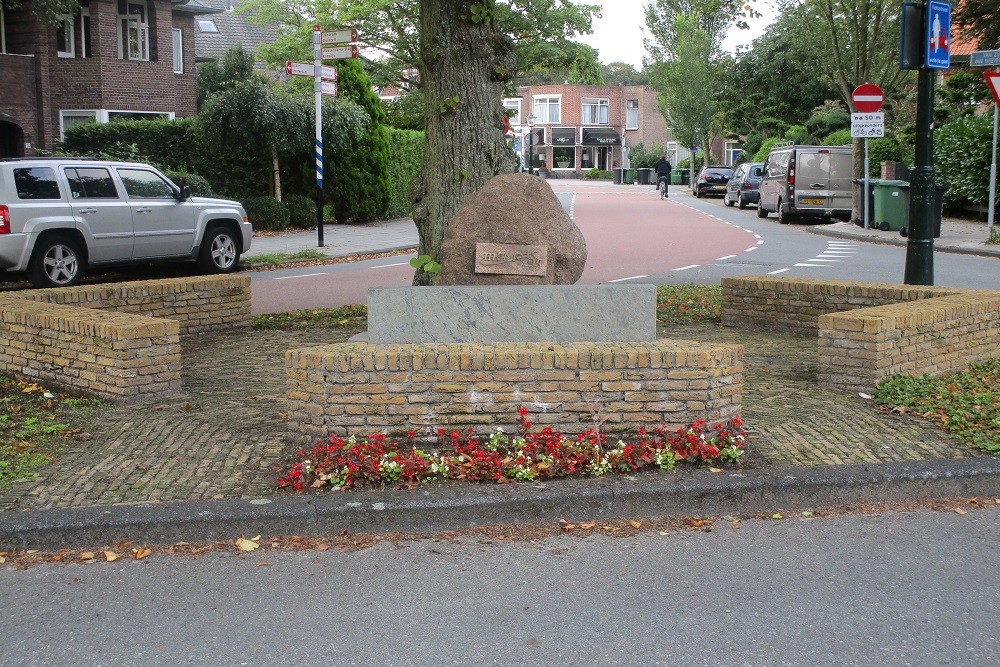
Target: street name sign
<point>867,125</point>
<point>867,97</point>
<point>339,36</point>
<point>340,52</point>
<point>985,58</point>
<point>293,68</point>
<point>938,36</point>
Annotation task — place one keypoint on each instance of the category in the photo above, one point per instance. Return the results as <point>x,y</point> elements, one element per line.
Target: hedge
<point>165,143</point>
<point>406,155</point>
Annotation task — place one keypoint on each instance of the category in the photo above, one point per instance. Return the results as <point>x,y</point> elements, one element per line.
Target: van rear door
<point>841,179</point>
<point>812,180</point>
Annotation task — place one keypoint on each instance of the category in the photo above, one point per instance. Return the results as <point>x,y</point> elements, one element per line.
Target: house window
<point>65,39</point>
<point>547,109</point>
<point>595,111</point>
<point>68,119</point>
<point>513,104</point>
<point>85,31</point>
<point>133,30</point>
<point>178,51</point>
<point>631,114</point>
<point>207,25</point>
<point>733,150</point>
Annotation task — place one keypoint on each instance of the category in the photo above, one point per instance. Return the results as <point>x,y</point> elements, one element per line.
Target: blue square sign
<point>938,36</point>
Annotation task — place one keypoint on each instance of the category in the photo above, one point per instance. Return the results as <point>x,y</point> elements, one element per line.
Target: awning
<point>564,136</point>
<point>600,136</point>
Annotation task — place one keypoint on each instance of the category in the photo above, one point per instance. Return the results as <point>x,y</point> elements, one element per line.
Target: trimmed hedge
<point>301,211</point>
<point>406,155</point>
<point>962,157</point>
<point>165,143</point>
<point>199,186</point>
<point>266,213</point>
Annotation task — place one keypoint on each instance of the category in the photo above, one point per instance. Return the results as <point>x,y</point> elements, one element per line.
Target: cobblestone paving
<point>224,435</point>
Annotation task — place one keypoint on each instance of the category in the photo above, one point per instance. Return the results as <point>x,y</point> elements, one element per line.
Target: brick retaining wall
<point>117,356</point>
<point>360,388</point>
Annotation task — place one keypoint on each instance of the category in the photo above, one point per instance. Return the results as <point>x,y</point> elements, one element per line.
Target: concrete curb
<point>454,507</point>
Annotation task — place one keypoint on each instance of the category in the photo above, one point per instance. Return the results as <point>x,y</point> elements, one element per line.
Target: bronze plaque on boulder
<point>512,260</point>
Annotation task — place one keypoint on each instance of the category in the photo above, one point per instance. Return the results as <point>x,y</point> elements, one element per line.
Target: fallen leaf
<point>663,533</point>
<point>715,470</point>
<point>736,525</point>
<point>3,559</point>
<point>864,396</point>
<point>141,553</point>
<point>246,545</point>
<point>776,515</point>
<point>110,556</point>
<point>807,514</point>
<point>959,510</point>
<point>322,547</point>
<point>87,555</point>
<point>56,558</point>
<point>263,563</point>
<point>589,525</point>
<point>997,501</point>
<point>566,525</point>
<point>974,501</point>
<point>282,415</point>
<point>635,524</point>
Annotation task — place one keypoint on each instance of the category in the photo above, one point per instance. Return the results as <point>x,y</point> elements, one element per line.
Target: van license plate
<point>815,201</point>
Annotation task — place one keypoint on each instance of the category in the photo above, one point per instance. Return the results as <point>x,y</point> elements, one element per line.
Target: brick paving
<point>225,437</point>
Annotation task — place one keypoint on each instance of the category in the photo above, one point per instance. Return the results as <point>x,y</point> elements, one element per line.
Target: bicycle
<point>661,185</point>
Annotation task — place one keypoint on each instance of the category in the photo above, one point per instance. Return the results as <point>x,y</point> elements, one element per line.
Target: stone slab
<point>512,313</point>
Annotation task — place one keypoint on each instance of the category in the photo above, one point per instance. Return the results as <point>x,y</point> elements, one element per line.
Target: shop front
<point>597,147</point>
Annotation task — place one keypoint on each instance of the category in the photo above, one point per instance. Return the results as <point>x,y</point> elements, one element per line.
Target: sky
<point>618,34</point>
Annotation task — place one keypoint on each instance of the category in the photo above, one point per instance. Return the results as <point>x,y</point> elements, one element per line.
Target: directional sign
<point>329,88</point>
<point>340,52</point>
<point>293,68</point>
<point>993,81</point>
<point>985,58</point>
<point>868,97</point>
<point>938,35</point>
<point>867,125</point>
<point>339,36</point>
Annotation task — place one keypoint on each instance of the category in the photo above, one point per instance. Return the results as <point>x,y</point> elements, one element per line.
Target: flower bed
<point>530,455</point>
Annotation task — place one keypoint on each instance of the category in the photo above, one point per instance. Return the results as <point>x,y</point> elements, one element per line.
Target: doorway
<point>11,139</point>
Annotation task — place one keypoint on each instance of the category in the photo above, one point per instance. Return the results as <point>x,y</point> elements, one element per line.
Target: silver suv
<point>61,216</point>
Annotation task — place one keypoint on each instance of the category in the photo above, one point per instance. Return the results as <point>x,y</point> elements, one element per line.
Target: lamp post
<point>531,143</point>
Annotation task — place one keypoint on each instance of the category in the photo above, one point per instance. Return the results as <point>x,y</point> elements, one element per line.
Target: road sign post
<point>317,86</point>
<point>993,83</point>
<point>867,99</point>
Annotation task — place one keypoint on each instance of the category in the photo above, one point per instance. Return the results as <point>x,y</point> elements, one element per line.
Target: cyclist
<point>663,169</point>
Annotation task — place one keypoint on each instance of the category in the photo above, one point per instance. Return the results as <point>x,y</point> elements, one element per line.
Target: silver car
<point>743,188</point>
<point>60,217</point>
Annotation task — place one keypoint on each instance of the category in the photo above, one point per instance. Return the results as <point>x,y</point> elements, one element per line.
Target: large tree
<point>979,19</point>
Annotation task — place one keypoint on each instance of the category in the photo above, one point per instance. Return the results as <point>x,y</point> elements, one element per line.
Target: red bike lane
<point>631,232</point>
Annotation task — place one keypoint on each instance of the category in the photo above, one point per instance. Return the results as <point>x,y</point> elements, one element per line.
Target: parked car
<point>744,187</point>
<point>807,181</point>
<point>60,217</point>
<point>711,179</point>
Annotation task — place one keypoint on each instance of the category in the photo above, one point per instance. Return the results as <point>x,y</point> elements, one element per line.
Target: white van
<point>807,181</point>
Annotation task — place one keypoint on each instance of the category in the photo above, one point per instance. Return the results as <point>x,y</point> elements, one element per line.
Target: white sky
<point>618,34</point>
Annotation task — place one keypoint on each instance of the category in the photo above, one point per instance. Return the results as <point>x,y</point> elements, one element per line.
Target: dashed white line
<point>383,266</point>
<point>751,249</point>
<point>771,273</point>
<point>815,266</point>
<point>685,268</point>
<point>719,259</point>
<point>618,280</point>
<point>304,275</point>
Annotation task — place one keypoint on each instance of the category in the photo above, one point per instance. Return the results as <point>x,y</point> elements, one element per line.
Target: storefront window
<point>563,158</point>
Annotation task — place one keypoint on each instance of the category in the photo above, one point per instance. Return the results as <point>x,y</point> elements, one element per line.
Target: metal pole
<point>993,177</point>
<point>318,86</point>
<point>920,240</point>
<point>865,191</point>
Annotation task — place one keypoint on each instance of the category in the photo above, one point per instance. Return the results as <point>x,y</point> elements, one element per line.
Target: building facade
<point>576,127</point>
<point>111,59</point>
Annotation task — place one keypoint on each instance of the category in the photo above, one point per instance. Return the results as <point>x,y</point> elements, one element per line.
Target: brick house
<point>111,59</point>
<point>579,127</point>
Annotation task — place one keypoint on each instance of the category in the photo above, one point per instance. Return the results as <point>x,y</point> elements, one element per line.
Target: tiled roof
<point>234,28</point>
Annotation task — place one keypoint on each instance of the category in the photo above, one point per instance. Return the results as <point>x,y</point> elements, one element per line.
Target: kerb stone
<point>512,313</point>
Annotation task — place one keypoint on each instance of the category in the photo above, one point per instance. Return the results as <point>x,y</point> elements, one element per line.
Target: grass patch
<point>994,236</point>
<point>35,425</point>
<point>688,304</point>
<point>966,403</point>
<point>318,318</point>
<point>279,258</point>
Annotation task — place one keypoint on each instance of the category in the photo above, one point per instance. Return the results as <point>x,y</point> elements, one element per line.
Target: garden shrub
<point>884,149</point>
<point>797,133</point>
<point>962,160</point>
<point>301,211</point>
<point>406,155</point>
<point>164,143</point>
<point>597,174</point>
<point>839,138</point>
<point>640,157</point>
<point>266,213</point>
<point>199,186</point>
<point>765,148</point>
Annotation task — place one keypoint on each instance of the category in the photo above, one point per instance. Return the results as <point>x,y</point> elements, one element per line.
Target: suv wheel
<point>761,211</point>
<point>56,262</point>
<point>220,251</point>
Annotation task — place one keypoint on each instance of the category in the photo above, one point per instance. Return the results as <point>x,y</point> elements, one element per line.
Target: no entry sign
<point>867,97</point>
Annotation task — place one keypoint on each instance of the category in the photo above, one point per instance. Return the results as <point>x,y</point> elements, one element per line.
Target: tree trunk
<point>276,168</point>
<point>465,62</point>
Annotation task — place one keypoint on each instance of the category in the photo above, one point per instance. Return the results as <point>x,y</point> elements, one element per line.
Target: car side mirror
<point>183,194</point>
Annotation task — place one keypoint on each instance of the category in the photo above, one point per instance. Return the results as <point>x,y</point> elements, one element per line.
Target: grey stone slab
<point>512,313</point>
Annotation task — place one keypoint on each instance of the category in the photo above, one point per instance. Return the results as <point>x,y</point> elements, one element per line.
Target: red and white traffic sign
<point>867,97</point>
<point>339,36</point>
<point>328,88</point>
<point>293,68</point>
<point>340,52</point>
<point>993,81</point>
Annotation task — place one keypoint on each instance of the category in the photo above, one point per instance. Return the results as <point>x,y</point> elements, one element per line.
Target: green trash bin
<point>676,176</point>
<point>890,205</point>
<point>628,178</point>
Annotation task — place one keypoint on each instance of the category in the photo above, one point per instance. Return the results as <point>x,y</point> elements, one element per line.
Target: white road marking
<point>383,266</point>
<point>304,275</point>
<point>750,249</point>
<point>771,273</point>
<point>618,280</point>
<point>816,266</point>
<point>719,259</point>
<point>685,268</point>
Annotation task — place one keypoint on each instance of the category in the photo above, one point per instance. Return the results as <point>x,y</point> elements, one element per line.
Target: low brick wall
<point>196,303</point>
<point>360,388</point>
<point>870,331</point>
<point>859,348</point>
<point>117,356</point>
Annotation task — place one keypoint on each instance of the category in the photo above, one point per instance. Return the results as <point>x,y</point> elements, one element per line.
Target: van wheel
<point>783,217</point>
<point>220,251</point>
<point>742,202</point>
<point>761,211</point>
<point>56,262</point>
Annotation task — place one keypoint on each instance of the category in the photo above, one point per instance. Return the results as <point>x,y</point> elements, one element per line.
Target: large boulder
<point>513,216</point>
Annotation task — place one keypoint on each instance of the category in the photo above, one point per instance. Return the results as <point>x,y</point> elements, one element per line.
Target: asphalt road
<point>915,588</point>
